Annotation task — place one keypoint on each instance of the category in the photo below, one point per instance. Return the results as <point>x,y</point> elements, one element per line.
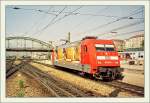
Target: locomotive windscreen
<point>104,47</point>
<point>110,48</point>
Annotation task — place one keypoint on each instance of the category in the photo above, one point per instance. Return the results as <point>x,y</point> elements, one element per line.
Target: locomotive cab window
<point>100,47</point>
<point>110,48</point>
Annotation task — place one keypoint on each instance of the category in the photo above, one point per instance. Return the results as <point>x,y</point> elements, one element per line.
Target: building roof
<point>135,36</point>
<point>140,35</point>
<point>118,40</point>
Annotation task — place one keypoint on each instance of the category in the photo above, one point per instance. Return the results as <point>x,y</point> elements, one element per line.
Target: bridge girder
<point>50,47</point>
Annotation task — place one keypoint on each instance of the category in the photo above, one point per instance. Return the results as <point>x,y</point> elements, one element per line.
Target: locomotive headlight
<point>114,57</point>
<point>99,62</point>
<point>100,57</point>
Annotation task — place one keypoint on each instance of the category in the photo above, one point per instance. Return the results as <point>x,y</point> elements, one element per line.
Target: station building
<point>131,48</point>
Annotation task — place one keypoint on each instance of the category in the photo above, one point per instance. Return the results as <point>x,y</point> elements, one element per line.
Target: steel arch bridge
<point>44,47</point>
<point>27,46</point>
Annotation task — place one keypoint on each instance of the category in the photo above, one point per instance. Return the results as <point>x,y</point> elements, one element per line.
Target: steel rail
<point>41,82</point>
<point>13,70</point>
<point>50,85</point>
<point>117,84</point>
<point>127,87</point>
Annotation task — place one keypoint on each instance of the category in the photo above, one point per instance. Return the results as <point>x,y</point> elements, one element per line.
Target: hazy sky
<point>52,23</point>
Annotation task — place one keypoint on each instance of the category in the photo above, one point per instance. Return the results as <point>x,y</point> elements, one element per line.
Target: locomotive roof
<point>76,43</point>
<point>72,44</point>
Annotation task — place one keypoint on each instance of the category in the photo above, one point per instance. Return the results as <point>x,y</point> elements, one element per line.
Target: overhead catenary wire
<point>114,21</point>
<point>78,13</point>
<point>119,19</point>
<point>126,33</point>
<point>90,14</point>
<point>67,15</point>
<point>128,25</point>
<point>51,21</point>
<point>130,32</point>
<point>58,20</point>
<point>123,27</point>
<point>55,12</point>
<point>34,25</point>
<point>37,10</point>
<point>85,21</point>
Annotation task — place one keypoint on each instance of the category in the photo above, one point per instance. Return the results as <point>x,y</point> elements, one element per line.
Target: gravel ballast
<point>90,85</point>
<point>31,87</point>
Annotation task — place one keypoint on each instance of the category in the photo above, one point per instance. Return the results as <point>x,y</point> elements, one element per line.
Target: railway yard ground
<point>133,74</point>
<point>31,89</point>
<point>37,80</point>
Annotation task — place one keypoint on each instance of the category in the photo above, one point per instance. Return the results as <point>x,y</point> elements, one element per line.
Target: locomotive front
<point>103,59</point>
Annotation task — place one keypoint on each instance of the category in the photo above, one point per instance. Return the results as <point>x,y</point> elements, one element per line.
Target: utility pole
<point>69,37</point>
<point>49,53</point>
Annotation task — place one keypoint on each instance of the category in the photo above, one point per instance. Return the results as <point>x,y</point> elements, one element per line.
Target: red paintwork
<point>90,56</point>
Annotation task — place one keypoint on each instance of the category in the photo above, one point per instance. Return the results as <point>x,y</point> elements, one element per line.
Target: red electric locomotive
<point>98,58</point>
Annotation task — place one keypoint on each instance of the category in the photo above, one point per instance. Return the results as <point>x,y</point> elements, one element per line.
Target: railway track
<point>13,68</point>
<point>56,86</point>
<point>127,87</point>
<point>9,64</point>
<point>122,86</point>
